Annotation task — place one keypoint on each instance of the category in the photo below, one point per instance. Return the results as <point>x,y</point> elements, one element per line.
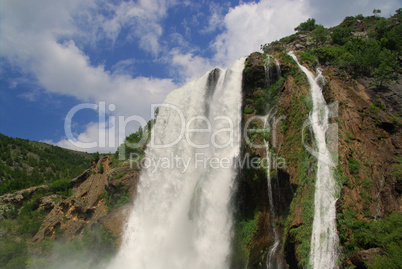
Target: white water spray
<point>324,240</point>
<point>181,216</point>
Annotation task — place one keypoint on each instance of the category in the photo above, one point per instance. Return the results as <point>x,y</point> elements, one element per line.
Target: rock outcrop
<point>89,204</point>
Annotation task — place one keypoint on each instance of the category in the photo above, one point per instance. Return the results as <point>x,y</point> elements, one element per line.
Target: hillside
<point>25,163</point>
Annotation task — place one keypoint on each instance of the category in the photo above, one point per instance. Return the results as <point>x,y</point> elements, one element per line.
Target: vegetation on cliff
<point>25,163</point>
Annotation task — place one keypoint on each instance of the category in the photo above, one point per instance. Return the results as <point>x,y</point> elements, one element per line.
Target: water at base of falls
<point>324,241</point>
<point>181,216</point>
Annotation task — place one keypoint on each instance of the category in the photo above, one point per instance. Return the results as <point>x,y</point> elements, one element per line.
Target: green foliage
<point>62,186</point>
<point>375,57</point>
<point>354,166</point>
<point>30,218</point>
<point>305,165</point>
<point>244,233</point>
<point>398,168</point>
<point>122,197</point>
<point>101,169</point>
<point>136,142</point>
<point>118,197</point>
<point>392,258</point>
<point>289,39</point>
<point>306,58</point>
<point>385,233</point>
<point>376,11</point>
<point>367,183</point>
<point>319,35</point>
<point>248,110</point>
<point>384,73</point>
<point>340,35</point>
<point>25,163</point>
<point>13,254</point>
<point>373,107</point>
<point>306,26</point>
<point>264,98</point>
<point>96,157</point>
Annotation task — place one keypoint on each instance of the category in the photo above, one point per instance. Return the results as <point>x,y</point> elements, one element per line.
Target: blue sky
<point>57,54</point>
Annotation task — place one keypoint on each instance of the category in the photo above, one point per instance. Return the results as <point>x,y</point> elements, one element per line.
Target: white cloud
<point>216,17</point>
<point>188,65</point>
<point>251,24</point>
<point>331,13</point>
<point>31,40</point>
<point>106,139</point>
<point>143,19</point>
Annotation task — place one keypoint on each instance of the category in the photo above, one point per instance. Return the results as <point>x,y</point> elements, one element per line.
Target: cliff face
<point>90,203</point>
<point>368,144</point>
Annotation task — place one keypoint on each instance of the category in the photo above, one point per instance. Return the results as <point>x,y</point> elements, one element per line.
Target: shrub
<point>340,35</point>
<point>319,35</point>
<point>354,166</point>
<point>248,110</point>
<point>244,234</point>
<point>61,186</point>
<point>306,26</point>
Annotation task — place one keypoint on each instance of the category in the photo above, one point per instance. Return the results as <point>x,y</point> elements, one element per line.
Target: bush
<point>248,110</point>
<point>244,234</point>
<point>340,35</point>
<point>306,26</point>
<point>61,186</point>
<point>354,166</point>
<point>13,254</point>
<point>385,233</point>
<point>319,35</point>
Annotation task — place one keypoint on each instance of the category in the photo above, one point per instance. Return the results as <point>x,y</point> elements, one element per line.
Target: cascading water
<point>324,240</point>
<point>274,260</point>
<point>181,216</point>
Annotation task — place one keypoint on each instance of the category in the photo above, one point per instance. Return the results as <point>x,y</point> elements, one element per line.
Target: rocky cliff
<point>368,134</point>
<point>91,216</point>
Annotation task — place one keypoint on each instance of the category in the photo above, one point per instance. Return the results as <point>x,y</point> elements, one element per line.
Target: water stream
<point>324,241</point>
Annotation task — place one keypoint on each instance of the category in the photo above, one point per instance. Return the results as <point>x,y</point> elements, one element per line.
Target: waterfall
<point>181,217</point>
<point>273,258</point>
<point>324,240</point>
<point>272,72</point>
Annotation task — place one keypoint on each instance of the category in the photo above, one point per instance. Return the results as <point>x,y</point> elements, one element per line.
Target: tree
<point>340,35</point>
<point>319,35</point>
<point>376,11</point>
<point>385,72</point>
<point>306,26</point>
